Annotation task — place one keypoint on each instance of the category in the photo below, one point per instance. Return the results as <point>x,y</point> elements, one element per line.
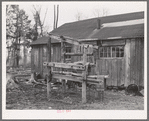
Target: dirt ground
<point>28,97</point>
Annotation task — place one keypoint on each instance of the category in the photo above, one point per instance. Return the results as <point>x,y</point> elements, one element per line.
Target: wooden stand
<point>84,78</point>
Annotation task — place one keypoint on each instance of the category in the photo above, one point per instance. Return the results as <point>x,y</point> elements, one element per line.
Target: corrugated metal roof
<point>86,29</point>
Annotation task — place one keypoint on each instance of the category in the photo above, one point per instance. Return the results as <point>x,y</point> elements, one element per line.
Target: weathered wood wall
<point>39,55</point>
<point>125,70</point>
<point>136,62</point>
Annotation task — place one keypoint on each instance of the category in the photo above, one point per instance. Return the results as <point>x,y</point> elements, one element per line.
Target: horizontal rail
<point>71,40</point>
<point>78,54</point>
<point>99,76</point>
<point>67,73</point>
<point>81,63</point>
<point>64,65</point>
<point>77,79</point>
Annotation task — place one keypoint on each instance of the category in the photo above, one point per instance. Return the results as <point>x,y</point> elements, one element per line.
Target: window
<point>68,50</point>
<point>111,51</point>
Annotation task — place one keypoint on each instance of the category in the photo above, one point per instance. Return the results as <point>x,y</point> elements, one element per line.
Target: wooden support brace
<point>63,61</point>
<point>84,76</point>
<point>49,77</point>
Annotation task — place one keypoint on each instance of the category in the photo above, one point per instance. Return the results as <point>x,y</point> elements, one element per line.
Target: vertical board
<point>118,71</point>
<point>123,71</point>
<point>44,59</point>
<point>142,63</point>
<point>41,59</point>
<point>138,61</point>
<point>32,59</point>
<point>127,62</point>
<point>132,61</point>
<point>109,81</point>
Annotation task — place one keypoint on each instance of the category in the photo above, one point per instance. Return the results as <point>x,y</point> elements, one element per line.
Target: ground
<point>28,97</point>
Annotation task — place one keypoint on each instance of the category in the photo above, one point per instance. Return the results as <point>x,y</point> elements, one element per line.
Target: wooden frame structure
<point>84,78</point>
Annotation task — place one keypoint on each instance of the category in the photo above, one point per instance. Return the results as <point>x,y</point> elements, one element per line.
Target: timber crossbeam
<point>71,41</point>
<point>78,54</point>
<point>64,65</point>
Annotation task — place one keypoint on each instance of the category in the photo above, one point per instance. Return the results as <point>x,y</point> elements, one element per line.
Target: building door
<point>111,62</point>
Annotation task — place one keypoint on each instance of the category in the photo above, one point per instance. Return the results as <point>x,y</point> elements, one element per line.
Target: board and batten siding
<point>39,55</point>
<point>135,74</point>
<point>126,70</point>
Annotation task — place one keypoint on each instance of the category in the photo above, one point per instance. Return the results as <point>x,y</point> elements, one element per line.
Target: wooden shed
<point>39,54</point>
<point>121,46</point>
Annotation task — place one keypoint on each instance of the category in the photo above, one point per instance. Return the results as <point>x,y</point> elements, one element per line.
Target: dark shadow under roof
<point>43,40</point>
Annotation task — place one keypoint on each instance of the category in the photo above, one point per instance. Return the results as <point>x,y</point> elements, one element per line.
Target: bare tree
<point>37,17</point>
<point>17,25</point>
<point>78,16</point>
<point>100,12</point>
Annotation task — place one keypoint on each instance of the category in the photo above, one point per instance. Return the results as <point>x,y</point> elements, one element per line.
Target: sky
<point>69,10</point>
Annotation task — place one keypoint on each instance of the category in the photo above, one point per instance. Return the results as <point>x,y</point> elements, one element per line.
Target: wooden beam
<point>127,62</point>
<point>67,73</point>
<point>95,76</point>
<point>77,79</point>
<point>63,61</point>
<point>64,65</point>
<point>49,78</point>
<point>67,77</point>
<point>84,76</point>
<point>78,54</point>
<point>71,40</point>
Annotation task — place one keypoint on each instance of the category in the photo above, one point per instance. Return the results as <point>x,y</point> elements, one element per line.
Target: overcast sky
<point>69,10</point>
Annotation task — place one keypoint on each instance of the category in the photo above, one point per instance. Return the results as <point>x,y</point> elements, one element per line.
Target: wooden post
<point>84,76</point>
<point>49,77</point>
<point>63,61</point>
<point>127,62</point>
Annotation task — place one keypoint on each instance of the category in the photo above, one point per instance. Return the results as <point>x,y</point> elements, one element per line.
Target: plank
<point>132,61</point>
<point>142,63</point>
<point>49,78</point>
<point>71,41</point>
<point>138,61</point>
<point>63,50</point>
<point>84,76</point>
<point>115,72</point>
<point>67,77</point>
<point>78,54</point>
<point>64,65</point>
<point>67,73</point>
<point>127,62</point>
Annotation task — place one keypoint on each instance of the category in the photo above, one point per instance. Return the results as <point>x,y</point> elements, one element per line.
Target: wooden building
<point>121,46</point>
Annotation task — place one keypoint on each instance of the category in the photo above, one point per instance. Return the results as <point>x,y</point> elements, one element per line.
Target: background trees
<point>17,29</point>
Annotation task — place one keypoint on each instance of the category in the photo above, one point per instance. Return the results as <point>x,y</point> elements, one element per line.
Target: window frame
<point>111,52</point>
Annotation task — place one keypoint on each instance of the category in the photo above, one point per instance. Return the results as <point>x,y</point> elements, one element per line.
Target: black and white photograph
<point>74,60</point>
